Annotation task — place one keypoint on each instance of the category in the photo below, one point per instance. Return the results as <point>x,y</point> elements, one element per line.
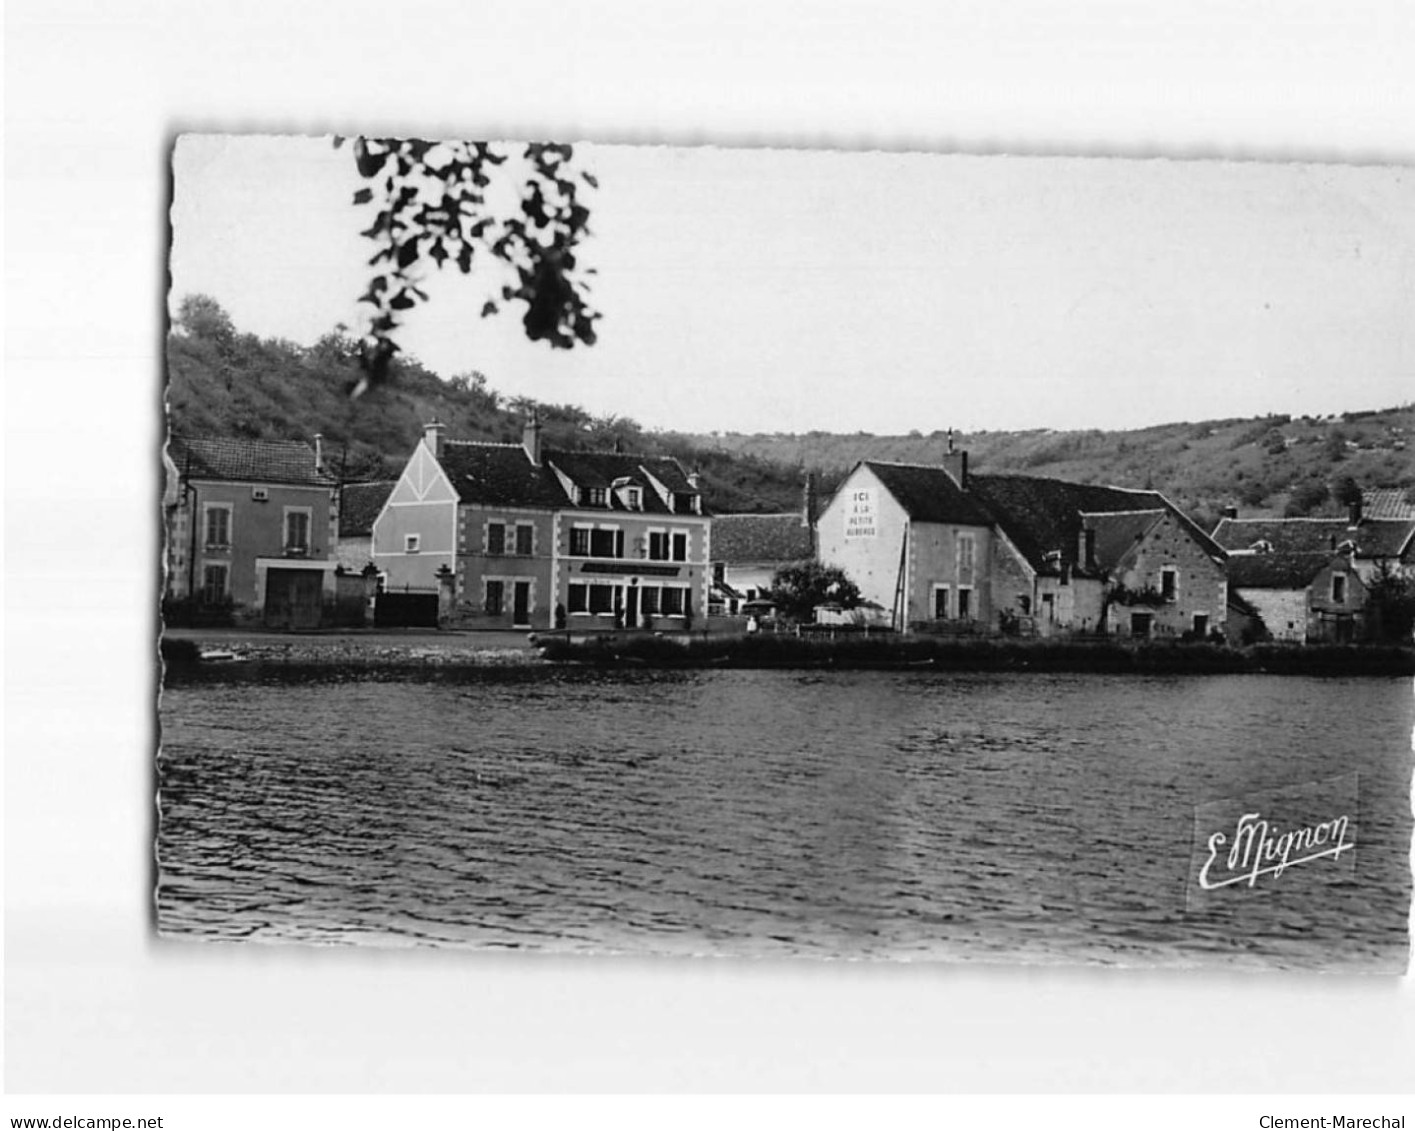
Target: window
<point>495,538</point>
<point>606,543</point>
<point>218,527</point>
<point>597,496</point>
<point>1169,583</point>
<point>684,503</point>
<point>213,584</point>
<point>940,602</point>
<point>1338,588</point>
<point>579,598</point>
<point>648,600</point>
<point>525,539</point>
<point>1201,624</point>
<point>411,542</point>
<point>1140,624</point>
<point>658,545</point>
<point>580,542</point>
<point>680,547</point>
<point>965,561</point>
<point>601,598</point>
<point>297,531</point>
<point>1024,603</point>
<point>671,602</point>
<point>634,499</point>
<point>495,598</point>
<point>965,602</point>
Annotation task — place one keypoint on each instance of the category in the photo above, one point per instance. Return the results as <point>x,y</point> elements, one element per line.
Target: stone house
<point>948,550</point>
<point>1373,545</point>
<point>520,536</point>
<point>1300,597</point>
<point>251,527</point>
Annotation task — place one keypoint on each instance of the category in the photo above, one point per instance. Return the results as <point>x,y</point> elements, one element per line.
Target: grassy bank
<point>183,662</point>
<point>926,653</point>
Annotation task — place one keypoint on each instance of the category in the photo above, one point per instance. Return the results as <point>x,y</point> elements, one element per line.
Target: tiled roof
<point>1044,515</point>
<point>928,493</point>
<point>1387,502</point>
<point>503,475</point>
<point>1117,533</point>
<point>359,504</point>
<point>259,461</point>
<point>500,475</point>
<point>1375,538</point>
<point>1275,571</point>
<point>738,539</point>
<point>602,469</point>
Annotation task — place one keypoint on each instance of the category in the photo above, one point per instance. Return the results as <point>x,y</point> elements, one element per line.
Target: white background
<point>94,94</point>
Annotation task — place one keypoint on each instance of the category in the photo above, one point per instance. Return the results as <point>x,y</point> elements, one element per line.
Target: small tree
<point>1391,601</point>
<point>797,589</point>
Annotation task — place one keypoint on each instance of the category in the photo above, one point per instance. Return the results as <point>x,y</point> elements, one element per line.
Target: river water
<point>858,814</point>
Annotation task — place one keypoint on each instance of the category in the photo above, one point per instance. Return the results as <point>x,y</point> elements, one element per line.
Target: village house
<point>1309,578</point>
<point>748,549</point>
<point>251,527</point>
<point>520,536</point>
<point>1300,598</point>
<point>952,551</point>
<point>1373,545</point>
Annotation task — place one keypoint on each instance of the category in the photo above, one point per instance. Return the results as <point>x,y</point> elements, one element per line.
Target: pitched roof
<point>503,475</point>
<point>1042,516</point>
<point>1387,502</point>
<point>928,493</point>
<point>603,469</point>
<point>1117,533</point>
<point>499,475</point>
<point>260,461</point>
<point>741,538</point>
<point>359,505</point>
<point>1276,570</point>
<point>1374,538</point>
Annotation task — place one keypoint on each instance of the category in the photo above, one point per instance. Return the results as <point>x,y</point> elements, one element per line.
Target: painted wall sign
<point>860,514</point>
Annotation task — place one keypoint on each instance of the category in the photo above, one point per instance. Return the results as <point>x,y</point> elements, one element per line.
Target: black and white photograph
<point>786,553</point>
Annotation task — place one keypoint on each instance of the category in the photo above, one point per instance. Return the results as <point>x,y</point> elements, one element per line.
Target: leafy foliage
<point>797,589</point>
<point>435,204</point>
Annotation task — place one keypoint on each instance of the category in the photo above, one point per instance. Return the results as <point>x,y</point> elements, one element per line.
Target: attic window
<point>1338,589</point>
<point>634,497</point>
<point>684,503</point>
<point>595,497</point>
<point>1169,583</point>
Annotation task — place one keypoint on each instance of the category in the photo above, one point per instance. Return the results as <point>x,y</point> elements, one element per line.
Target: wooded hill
<point>226,383</point>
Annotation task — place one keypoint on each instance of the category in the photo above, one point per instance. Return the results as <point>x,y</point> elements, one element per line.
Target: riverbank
<point>295,659</point>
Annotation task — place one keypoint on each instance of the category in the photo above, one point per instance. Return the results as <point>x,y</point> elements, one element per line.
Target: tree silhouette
<point>436,202</point>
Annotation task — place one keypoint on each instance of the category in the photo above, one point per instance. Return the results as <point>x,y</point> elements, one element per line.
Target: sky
<point>761,290</point>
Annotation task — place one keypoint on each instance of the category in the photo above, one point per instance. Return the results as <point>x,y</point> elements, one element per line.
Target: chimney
<point>530,437</point>
<point>432,436</point>
<point>1354,512</point>
<point>319,453</point>
<point>695,479</point>
<point>808,500</point>
<point>1230,512</point>
<point>956,464</point>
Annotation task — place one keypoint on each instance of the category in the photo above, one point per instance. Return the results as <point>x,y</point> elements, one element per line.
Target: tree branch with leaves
<point>436,202</point>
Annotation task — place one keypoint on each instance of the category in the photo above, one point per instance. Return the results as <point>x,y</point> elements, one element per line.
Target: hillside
<point>225,383</point>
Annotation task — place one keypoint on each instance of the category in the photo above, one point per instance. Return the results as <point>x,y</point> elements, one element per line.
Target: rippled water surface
<point>886,814</point>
